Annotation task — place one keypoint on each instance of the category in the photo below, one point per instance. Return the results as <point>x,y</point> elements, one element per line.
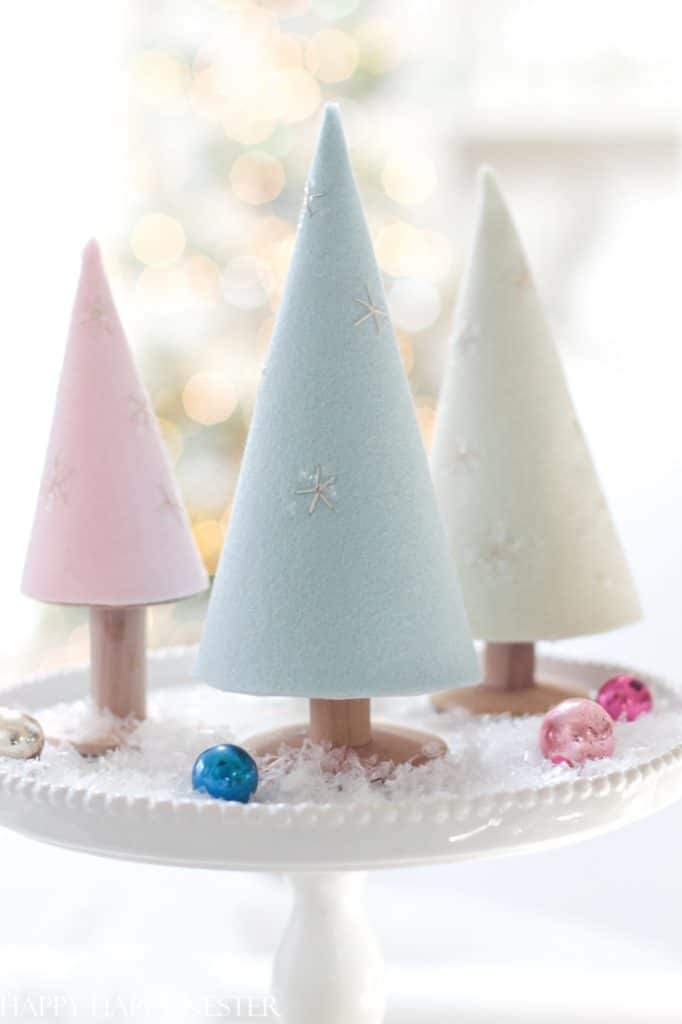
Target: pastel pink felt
<point>110,527</point>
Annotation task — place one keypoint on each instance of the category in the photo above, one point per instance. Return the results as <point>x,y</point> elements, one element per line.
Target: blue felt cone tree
<point>335,582</point>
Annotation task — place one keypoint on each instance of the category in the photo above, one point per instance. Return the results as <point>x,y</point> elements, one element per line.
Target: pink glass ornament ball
<point>625,697</point>
<point>577,730</point>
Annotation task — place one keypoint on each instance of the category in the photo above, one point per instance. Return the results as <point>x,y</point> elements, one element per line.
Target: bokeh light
<point>426,418</point>
<point>380,45</point>
<point>272,244</point>
<point>408,177</point>
<point>287,52</point>
<point>233,5</point>
<point>143,173</point>
<point>256,25</point>
<point>209,398</point>
<point>159,77</point>
<point>209,535</point>
<point>264,333</point>
<point>203,275</point>
<point>332,55</point>
<point>204,95</point>
<point>245,283</point>
<point>299,93</point>
<point>415,304</point>
<point>246,128</point>
<point>164,290</point>
<point>286,8</point>
<point>332,9</point>
<point>173,439</point>
<point>257,178</point>
<point>406,349</point>
<point>157,240</point>
<point>405,251</point>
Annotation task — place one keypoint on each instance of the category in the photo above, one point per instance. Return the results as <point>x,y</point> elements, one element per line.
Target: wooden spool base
<point>97,746</point>
<point>388,743</point>
<point>509,687</point>
<point>347,724</point>
<point>485,700</point>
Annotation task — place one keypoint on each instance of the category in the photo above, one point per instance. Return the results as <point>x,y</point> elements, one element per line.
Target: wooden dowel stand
<point>347,724</point>
<point>118,663</point>
<point>509,667</point>
<point>509,685</point>
<point>343,723</point>
<point>118,674</point>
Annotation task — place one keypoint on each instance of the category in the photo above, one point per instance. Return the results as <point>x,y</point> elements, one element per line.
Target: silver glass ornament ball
<point>21,736</point>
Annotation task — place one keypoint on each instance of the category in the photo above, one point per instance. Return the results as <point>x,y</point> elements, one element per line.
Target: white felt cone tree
<point>110,530</point>
<point>335,581</point>
<point>527,521</point>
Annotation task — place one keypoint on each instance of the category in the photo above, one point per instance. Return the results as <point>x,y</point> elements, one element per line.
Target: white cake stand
<point>329,967</point>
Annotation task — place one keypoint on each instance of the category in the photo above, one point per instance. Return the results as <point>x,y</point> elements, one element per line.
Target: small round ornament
<point>21,736</point>
<point>577,730</point>
<point>625,698</point>
<point>226,772</point>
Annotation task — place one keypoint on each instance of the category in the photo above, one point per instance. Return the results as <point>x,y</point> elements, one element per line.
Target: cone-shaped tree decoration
<point>110,530</point>
<point>335,581</point>
<point>528,525</point>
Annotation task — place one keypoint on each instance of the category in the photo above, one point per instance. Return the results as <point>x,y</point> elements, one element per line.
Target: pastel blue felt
<point>360,599</point>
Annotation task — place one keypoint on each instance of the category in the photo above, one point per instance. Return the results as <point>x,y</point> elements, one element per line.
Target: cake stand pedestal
<point>329,967</point>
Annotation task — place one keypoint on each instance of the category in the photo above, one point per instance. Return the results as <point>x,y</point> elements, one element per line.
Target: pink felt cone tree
<point>110,530</point>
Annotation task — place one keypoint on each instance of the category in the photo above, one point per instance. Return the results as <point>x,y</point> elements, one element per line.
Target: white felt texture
<point>349,592</point>
<point>529,527</point>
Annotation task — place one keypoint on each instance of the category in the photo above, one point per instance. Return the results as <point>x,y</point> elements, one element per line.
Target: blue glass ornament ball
<point>226,772</point>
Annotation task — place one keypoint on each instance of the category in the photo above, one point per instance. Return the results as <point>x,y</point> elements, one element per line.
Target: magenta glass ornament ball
<point>625,697</point>
<point>577,730</point>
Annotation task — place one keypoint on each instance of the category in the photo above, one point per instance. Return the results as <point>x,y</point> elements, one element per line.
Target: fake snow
<point>488,754</point>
